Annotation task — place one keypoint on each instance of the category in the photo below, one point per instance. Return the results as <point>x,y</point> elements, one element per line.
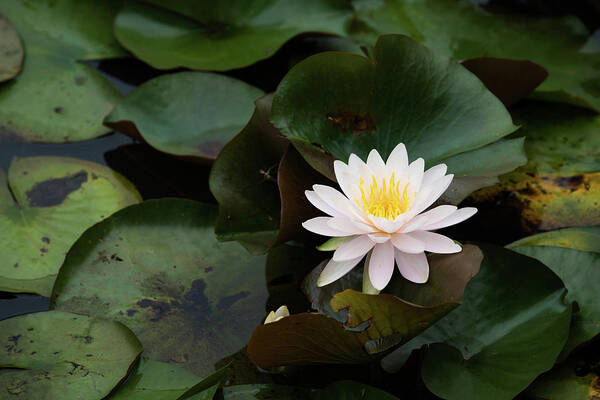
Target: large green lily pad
<point>55,98</point>
<point>583,238</point>
<point>158,268</point>
<point>11,50</point>
<point>59,355</point>
<point>577,269</point>
<point>463,30</point>
<point>350,104</point>
<point>155,380</point>
<point>344,103</point>
<point>46,203</point>
<point>510,327</point>
<point>187,113</point>
<point>219,36</point>
<point>560,184</point>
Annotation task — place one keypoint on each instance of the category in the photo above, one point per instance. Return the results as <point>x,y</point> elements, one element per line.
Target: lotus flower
<point>275,316</point>
<point>382,213</point>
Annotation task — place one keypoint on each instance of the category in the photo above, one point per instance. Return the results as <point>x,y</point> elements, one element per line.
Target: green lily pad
<point>46,203</point>
<point>560,184</point>
<point>11,50</point>
<point>341,390</point>
<point>158,268</point>
<point>463,30</point>
<point>154,380</point>
<point>510,327</point>
<point>583,238</point>
<point>55,98</point>
<point>572,380</point>
<point>221,35</point>
<point>59,355</point>
<point>349,104</point>
<point>577,269</point>
<point>187,113</point>
<point>259,183</point>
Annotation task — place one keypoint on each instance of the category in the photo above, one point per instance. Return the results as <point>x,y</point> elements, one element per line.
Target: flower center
<point>387,201</point>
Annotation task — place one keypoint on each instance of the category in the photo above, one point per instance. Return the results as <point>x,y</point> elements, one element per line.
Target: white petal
<point>320,226</point>
<point>381,265</point>
<point>458,216</point>
<point>436,189</point>
<point>345,178</point>
<point>270,318</point>
<point>335,270</point>
<point>433,174</point>
<point>383,224</point>
<point>376,164</point>
<point>355,163</point>
<point>319,203</point>
<point>436,243</point>
<point>380,237</point>
<point>398,159</point>
<point>352,226</point>
<point>407,243</point>
<point>335,200</point>
<point>413,267</point>
<point>282,312</point>
<point>357,247</point>
<point>415,175</point>
<point>429,217</point>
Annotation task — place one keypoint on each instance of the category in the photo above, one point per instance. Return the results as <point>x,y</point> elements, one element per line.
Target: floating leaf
<point>510,327</point>
<point>259,183</point>
<point>584,238</point>
<point>560,184</point>
<point>158,268</point>
<point>573,380</point>
<point>463,31</point>
<point>154,380</point>
<point>577,269</point>
<point>59,355</point>
<point>305,339</point>
<point>509,80</point>
<point>55,98</point>
<point>11,50</point>
<point>347,104</point>
<point>221,35</point>
<point>341,390</point>
<point>186,113</point>
<point>46,204</point>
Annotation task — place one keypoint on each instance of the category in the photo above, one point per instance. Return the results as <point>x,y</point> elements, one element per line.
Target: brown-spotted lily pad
<point>59,355</point>
<point>158,268</point>
<point>45,205</point>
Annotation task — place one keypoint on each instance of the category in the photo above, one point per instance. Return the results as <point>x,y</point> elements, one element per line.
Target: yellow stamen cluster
<point>387,201</point>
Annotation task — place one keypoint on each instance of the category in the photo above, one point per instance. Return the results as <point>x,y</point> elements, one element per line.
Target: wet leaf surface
<point>220,36</point>
<point>512,310</point>
<point>179,297</point>
<point>564,253</point>
<point>154,380</point>
<point>559,185</point>
<point>55,98</point>
<point>463,30</point>
<point>186,113</point>
<point>46,203</point>
<point>341,390</point>
<point>343,104</point>
<point>62,355</point>
<point>11,51</point>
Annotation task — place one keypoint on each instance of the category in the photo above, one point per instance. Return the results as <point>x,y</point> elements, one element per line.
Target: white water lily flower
<point>382,211</point>
<point>275,316</point>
